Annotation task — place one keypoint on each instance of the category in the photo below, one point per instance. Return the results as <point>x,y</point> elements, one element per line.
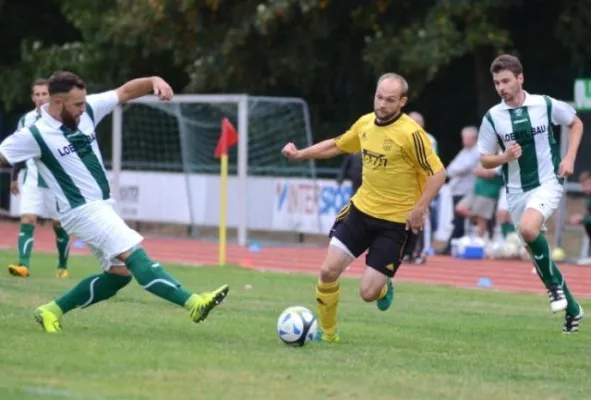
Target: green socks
<point>543,260</point>
<point>549,272</point>
<point>62,241</point>
<point>89,291</point>
<point>97,288</point>
<point>507,228</point>
<point>155,279</point>
<point>25,244</point>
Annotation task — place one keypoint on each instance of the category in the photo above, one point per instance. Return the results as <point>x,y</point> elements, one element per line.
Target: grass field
<point>435,343</point>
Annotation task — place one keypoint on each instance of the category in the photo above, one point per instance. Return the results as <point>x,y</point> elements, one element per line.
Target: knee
<point>369,293</point>
<point>116,280</point>
<point>56,225</point>
<point>334,264</point>
<point>529,232</point>
<point>462,211</point>
<point>502,217</point>
<point>29,219</point>
<point>120,270</point>
<point>329,273</point>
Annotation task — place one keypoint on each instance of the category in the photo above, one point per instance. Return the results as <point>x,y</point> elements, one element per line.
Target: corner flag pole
<point>228,138</point>
<point>223,206</point>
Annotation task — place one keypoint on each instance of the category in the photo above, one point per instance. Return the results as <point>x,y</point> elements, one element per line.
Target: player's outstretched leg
<point>158,281</point>
<point>87,292</point>
<point>328,289</point>
<point>25,247</point>
<point>62,241</point>
<point>561,299</point>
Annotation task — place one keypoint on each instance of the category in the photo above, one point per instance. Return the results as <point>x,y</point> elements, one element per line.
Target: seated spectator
<point>480,205</point>
<point>584,219</point>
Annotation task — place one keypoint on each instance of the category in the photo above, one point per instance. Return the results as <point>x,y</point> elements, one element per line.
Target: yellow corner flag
<point>228,138</point>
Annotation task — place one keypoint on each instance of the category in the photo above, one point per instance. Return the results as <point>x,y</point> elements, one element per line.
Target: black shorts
<point>385,241</point>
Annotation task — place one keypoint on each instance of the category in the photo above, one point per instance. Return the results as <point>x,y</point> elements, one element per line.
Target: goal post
<point>179,136</point>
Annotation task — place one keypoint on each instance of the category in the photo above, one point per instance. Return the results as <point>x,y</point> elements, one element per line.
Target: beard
<point>69,120</point>
<point>385,117</point>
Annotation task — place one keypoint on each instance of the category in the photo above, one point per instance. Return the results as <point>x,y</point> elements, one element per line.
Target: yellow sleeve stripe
<point>421,153</point>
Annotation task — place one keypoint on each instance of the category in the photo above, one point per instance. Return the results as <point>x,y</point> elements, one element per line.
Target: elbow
<point>487,163</point>
<point>439,177</point>
<point>577,124</point>
<point>443,176</point>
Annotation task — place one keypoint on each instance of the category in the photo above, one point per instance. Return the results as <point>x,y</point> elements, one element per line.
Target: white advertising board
<point>274,204</point>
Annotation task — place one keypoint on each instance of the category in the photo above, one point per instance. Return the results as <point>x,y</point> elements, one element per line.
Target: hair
<point>506,62</point>
<point>63,82</point>
<point>39,82</point>
<point>399,78</point>
<point>583,176</point>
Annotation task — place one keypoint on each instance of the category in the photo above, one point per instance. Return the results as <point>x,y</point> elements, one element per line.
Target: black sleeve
<point>16,168</point>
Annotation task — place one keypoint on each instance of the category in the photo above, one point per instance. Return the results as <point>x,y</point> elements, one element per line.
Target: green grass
<point>435,343</point>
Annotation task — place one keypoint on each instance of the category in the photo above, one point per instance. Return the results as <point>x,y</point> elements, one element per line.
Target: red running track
<point>515,276</point>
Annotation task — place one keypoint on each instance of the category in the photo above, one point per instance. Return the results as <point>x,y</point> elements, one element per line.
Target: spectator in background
<point>421,121</point>
<point>480,205</point>
<point>351,170</point>
<point>416,254</point>
<point>584,219</point>
<point>503,215</point>
<point>462,179</point>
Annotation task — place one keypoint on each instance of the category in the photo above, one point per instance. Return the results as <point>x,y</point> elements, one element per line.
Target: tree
<point>21,29</point>
<point>329,52</point>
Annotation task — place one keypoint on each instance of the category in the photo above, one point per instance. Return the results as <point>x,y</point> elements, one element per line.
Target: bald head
<point>390,96</point>
<point>394,81</point>
<point>418,118</point>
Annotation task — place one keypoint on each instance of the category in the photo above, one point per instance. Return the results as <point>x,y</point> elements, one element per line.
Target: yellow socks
<point>327,297</point>
<point>383,292</point>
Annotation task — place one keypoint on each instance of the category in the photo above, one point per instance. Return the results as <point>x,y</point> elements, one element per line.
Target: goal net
<point>163,168</point>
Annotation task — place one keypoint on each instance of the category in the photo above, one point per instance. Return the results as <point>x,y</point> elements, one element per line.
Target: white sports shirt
<point>31,177</point>
<point>68,160</point>
<point>531,126</point>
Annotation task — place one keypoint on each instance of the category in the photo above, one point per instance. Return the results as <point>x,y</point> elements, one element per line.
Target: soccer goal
<point>163,168</point>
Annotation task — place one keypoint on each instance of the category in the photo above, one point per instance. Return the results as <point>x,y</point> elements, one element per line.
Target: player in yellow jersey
<point>401,176</point>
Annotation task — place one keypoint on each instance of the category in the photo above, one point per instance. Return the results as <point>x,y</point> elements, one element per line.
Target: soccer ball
<point>510,249</point>
<point>494,250</point>
<point>558,255</point>
<point>297,326</point>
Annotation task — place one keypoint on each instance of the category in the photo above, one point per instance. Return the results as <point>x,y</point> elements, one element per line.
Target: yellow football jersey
<point>397,159</point>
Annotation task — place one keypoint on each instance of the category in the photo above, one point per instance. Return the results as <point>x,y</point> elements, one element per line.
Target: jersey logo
<point>387,145</point>
<point>364,136</point>
<point>525,135</point>
<point>374,160</point>
<point>79,143</point>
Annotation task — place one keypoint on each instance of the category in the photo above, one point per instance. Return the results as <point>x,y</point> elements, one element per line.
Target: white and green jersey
<point>69,160</point>
<point>531,126</point>
<point>31,176</point>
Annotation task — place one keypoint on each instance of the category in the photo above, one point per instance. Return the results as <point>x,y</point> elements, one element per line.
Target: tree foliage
<point>329,52</point>
<point>269,46</point>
